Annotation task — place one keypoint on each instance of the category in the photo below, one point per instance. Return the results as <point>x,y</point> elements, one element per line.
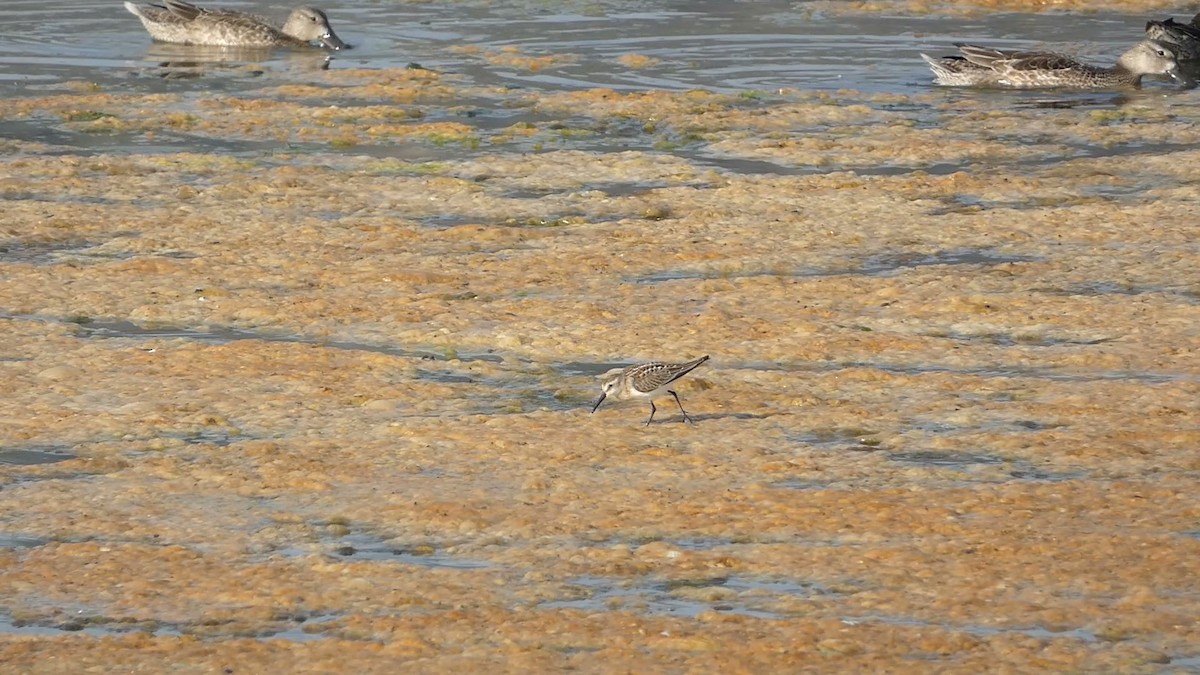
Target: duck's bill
<point>331,41</point>
<point>598,402</point>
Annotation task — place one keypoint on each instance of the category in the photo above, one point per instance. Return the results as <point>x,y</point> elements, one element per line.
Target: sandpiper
<point>648,381</point>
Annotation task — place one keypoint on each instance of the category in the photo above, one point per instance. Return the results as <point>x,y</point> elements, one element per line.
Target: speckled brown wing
<point>227,19</point>
<point>1000,59</point>
<point>183,10</point>
<point>1172,28</point>
<point>1043,62</point>
<point>651,376</point>
<point>982,56</point>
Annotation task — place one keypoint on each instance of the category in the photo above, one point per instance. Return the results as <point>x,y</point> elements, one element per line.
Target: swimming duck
<point>1172,32</point>
<point>1184,40</point>
<point>184,23</point>
<point>985,67</point>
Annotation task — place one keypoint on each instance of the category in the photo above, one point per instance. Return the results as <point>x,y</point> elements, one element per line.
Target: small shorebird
<point>986,67</point>
<point>648,381</point>
<point>184,23</point>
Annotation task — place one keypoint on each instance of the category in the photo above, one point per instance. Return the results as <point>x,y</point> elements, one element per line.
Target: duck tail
<point>941,67</point>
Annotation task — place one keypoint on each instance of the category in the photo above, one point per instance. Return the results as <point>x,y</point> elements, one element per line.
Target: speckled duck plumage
<point>184,23</point>
<point>986,67</point>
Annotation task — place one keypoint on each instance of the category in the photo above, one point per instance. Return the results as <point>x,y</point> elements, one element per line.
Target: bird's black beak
<point>599,401</point>
<point>332,41</point>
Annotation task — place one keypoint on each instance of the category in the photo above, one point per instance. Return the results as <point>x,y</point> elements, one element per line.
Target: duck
<point>184,23</point>
<point>1184,40</point>
<point>1171,32</point>
<point>987,67</point>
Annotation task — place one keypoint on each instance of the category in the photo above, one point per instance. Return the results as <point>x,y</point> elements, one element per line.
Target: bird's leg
<point>652,411</point>
<point>685,415</point>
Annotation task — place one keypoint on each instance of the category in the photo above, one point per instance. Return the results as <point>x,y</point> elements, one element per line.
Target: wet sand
<point>316,395</point>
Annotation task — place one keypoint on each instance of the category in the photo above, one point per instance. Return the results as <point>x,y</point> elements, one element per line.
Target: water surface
<point>710,44</point>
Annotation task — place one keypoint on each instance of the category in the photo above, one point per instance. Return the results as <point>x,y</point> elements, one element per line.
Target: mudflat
<point>293,401</point>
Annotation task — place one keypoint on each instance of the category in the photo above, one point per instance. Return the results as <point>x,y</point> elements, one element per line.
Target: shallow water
<point>688,598</point>
<point>29,456</point>
<point>748,49</point>
<point>712,45</point>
